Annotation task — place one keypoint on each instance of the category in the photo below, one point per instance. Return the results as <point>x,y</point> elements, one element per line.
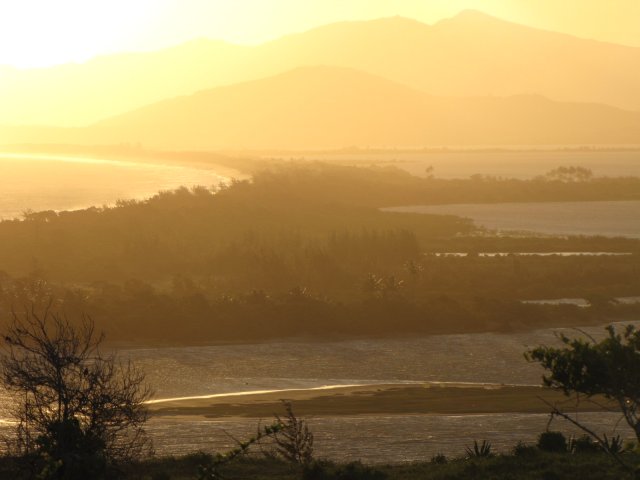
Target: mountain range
<point>471,79</point>
<point>335,107</point>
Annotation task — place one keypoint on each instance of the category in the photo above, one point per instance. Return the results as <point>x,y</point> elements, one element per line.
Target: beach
<point>378,399</point>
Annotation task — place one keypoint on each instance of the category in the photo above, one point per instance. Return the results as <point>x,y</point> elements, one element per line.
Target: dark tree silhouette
<point>78,410</point>
<point>293,440</point>
<point>609,368</point>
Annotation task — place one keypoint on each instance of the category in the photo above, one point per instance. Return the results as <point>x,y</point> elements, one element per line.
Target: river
<point>473,358</point>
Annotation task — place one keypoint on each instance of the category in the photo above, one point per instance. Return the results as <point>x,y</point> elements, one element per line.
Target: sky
<point>38,33</point>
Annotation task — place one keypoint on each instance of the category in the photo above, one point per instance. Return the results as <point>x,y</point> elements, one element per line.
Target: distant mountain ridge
<point>334,107</point>
<point>80,94</point>
<point>472,54</point>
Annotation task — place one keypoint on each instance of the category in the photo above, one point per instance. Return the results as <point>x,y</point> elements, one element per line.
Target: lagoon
<point>605,218</point>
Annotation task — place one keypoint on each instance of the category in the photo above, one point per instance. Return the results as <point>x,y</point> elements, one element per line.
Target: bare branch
<point>62,384</point>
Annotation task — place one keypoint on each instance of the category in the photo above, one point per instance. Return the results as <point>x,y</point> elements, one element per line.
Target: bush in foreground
<point>78,412</point>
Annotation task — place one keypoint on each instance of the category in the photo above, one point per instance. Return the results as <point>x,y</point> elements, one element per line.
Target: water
<point>578,302</point>
<point>461,358</point>
<point>611,219</point>
<point>472,358</point>
<point>379,438</point>
<point>374,438</point>
<point>508,164</point>
<point>68,183</point>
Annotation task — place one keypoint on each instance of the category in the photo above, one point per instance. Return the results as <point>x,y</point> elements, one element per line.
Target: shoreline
<point>240,168</point>
<point>422,398</point>
<point>153,344</point>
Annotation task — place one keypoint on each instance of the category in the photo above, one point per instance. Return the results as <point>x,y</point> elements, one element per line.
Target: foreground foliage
<point>79,412</point>
<point>530,464</point>
<point>293,440</point>
<point>609,367</point>
<point>588,368</point>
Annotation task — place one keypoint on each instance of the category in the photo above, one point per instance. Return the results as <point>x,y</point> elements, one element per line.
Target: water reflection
<point>68,183</point>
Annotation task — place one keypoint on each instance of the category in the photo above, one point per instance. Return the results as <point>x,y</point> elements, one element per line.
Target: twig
<point>556,412</point>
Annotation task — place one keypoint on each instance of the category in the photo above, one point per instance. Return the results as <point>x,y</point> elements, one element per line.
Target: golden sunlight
<point>379,215</point>
<point>39,33</point>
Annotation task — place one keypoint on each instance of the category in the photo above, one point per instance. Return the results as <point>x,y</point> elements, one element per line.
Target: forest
<point>304,250</point>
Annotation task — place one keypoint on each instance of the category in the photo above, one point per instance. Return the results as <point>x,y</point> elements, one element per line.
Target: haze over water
<point>40,182</point>
<point>520,162</point>
<point>430,194</point>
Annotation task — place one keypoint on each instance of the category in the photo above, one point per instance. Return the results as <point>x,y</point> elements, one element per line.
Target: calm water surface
<point>511,164</point>
<point>612,219</point>
<point>379,438</point>
<point>473,358</point>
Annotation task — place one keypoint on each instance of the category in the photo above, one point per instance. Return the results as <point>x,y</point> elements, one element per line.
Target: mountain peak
<point>472,13</point>
<point>469,18</point>
<point>386,25</point>
<point>472,16</point>
<point>397,19</point>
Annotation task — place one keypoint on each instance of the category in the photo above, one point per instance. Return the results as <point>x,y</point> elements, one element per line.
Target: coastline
<point>425,398</point>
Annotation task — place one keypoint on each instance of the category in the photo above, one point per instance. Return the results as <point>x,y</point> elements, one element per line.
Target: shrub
<point>482,450</point>
<point>583,444</point>
<point>351,471</point>
<point>77,410</point>
<point>439,459</point>
<point>554,442</point>
<point>587,367</point>
<point>210,468</point>
<point>522,449</point>
<point>294,440</point>
<point>615,445</point>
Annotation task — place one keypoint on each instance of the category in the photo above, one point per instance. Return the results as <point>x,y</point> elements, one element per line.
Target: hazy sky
<point>46,32</point>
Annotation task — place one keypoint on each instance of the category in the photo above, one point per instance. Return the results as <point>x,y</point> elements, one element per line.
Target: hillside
<point>79,94</point>
<point>471,54</point>
<point>329,107</point>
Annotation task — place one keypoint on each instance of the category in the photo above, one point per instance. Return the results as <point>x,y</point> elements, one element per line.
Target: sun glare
<point>38,33</point>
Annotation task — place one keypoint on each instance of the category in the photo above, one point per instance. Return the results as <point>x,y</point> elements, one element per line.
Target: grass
<point>523,463</point>
<point>531,465</point>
